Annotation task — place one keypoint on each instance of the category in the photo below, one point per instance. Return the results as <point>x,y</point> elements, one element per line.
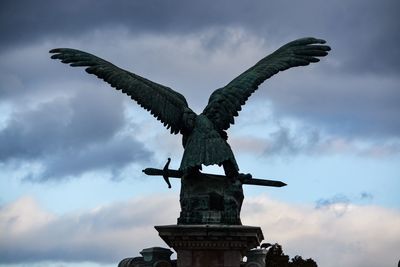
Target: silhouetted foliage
<point>298,261</point>
<point>276,258</point>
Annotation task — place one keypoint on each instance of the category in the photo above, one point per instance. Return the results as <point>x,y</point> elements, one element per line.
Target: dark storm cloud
<point>285,143</point>
<point>364,34</point>
<point>112,156</point>
<point>363,106</point>
<point>71,136</point>
<point>25,20</point>
<point>354,92</point>
<point>60,123</point>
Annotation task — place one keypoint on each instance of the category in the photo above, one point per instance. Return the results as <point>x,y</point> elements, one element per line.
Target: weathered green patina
<point>204,136</point>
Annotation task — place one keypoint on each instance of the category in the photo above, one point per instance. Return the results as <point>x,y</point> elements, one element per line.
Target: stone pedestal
<point>210,245</point>
<point>210,199</point>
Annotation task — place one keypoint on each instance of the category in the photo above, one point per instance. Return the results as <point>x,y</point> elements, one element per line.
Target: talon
<point>243,176</point>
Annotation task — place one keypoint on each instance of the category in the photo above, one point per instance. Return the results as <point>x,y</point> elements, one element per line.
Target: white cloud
<point>105,234</point>
<point>22,216</point>
<point>340,234</point>
<point>367,236</point>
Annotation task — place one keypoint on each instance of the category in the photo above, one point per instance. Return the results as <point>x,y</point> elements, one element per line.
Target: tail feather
<point>207,149</point>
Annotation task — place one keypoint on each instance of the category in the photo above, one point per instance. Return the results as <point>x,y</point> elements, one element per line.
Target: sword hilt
<point>165,172</point>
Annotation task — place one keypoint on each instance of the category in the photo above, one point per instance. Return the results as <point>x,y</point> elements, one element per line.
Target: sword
<point>167,173</point>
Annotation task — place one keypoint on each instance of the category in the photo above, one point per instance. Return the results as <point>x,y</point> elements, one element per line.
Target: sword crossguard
<point>165,173</point>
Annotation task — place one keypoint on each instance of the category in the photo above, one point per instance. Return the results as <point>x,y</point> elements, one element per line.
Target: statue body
<point>204,199</point>
<point>204,145</point>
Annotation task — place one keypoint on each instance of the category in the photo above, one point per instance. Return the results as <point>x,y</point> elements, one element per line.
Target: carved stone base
<point>210,245</point>
<point>207,199</point>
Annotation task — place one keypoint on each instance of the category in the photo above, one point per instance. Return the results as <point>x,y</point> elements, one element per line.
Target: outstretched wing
<point>225,103</point>
<point>164,103</point>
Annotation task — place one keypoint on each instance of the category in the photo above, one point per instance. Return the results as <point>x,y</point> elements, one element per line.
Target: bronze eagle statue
<point>204,136</point>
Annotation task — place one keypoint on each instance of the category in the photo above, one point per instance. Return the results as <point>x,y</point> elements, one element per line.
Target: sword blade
<point>158,172</point>
<point>263,182</point>
<point>179,174</point>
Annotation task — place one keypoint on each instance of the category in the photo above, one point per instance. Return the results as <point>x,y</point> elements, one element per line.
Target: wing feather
<point>163,103</point>
<point>225,103</point>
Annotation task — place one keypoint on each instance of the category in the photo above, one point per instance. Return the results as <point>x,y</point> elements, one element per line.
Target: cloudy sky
<point>72,148</point>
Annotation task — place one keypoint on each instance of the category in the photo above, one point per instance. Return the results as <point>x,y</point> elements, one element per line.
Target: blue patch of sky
<point>312,178</point>
<point>89,191</point>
